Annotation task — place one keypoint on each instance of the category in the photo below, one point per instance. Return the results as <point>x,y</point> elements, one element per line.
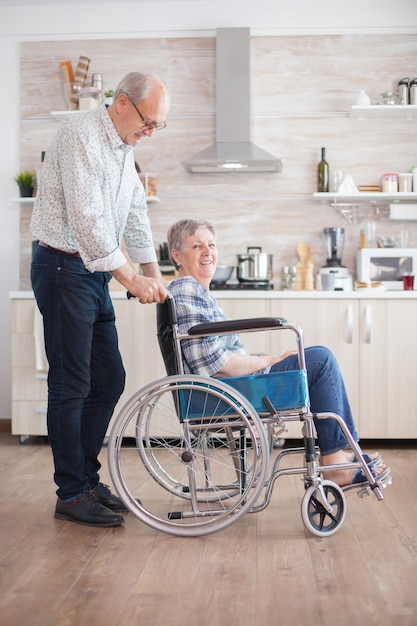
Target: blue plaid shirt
<point>195,305</point>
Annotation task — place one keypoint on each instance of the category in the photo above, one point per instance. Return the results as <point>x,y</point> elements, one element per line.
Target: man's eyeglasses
<point>147,125</point>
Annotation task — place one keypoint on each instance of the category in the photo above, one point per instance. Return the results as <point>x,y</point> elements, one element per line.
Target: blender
<point>334,239</point>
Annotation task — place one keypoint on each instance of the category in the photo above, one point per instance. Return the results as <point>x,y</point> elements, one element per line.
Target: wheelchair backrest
<point>166,319</point>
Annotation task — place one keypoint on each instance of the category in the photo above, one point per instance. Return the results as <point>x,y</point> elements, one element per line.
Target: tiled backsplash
<point>301,88</point>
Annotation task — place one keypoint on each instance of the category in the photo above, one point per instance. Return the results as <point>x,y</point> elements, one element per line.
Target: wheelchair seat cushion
<point>286,390</point>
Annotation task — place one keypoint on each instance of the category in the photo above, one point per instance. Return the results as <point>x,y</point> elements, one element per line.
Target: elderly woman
<point>192,246</point>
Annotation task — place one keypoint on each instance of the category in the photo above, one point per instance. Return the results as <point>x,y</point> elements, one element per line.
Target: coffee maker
<point>334,239</point>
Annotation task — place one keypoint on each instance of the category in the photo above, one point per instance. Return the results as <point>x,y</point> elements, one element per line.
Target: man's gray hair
<point>138,86</point>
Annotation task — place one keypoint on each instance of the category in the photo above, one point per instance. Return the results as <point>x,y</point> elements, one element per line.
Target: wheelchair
<point>190,456</point>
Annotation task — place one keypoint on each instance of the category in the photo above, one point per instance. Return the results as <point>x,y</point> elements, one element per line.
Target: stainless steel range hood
<point>233,150</point>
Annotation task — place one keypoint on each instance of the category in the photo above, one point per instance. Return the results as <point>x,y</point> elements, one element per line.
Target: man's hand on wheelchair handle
<point>147,290</point>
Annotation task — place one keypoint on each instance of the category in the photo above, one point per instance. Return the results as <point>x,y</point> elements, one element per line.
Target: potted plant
<point>108,96</point>
<point>25,180</point>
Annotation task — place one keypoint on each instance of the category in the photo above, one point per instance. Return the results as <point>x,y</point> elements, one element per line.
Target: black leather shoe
<point>87,510</point>
<point>107,499</point>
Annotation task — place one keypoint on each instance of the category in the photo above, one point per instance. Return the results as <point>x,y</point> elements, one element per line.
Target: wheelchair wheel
<point>314,512</point>
<point>191,476</point>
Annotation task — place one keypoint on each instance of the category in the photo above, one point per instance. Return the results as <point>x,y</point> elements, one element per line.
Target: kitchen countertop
<point>275,294</point>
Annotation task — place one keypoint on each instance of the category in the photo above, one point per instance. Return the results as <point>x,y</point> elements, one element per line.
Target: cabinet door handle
<point>349,319</point>
<point>368,323</point>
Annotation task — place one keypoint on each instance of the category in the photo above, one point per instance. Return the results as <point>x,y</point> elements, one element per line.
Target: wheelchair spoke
<point>194,475</point>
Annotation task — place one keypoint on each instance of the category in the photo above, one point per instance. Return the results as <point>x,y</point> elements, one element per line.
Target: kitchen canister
<point>413,91</point>
<point>405,182</point>
<point>403,90</point>
<point>97,83</point>
<point>389,183</point>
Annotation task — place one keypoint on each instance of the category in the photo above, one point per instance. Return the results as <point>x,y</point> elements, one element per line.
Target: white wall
<point>141,19</point>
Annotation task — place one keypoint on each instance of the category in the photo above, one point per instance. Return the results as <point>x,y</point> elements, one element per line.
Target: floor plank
<point>265,569</point>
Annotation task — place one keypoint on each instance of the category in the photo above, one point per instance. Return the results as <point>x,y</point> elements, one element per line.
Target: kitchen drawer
<point>27,384</point>
<point>29,418</point>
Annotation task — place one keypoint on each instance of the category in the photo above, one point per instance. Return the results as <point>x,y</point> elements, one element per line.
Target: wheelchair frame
<point>202,453</point>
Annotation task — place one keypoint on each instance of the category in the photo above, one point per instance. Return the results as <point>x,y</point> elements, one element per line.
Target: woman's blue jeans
<point>327,394</point>
<point>86,376</point>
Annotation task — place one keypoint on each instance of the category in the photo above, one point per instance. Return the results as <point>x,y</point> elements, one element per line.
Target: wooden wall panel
<point>301,89</point>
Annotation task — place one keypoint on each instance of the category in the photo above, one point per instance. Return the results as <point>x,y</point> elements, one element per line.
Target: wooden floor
<point>264,570</point>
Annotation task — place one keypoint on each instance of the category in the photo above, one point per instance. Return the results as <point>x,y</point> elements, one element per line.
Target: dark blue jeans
<point>86,375</point>
<point>327,395</point>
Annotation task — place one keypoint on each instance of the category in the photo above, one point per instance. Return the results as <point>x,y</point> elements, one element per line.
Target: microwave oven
<point>385,265</point>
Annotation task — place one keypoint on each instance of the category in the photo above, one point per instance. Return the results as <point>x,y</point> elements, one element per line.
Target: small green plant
<point>25,178</point>
<point>109,93</point>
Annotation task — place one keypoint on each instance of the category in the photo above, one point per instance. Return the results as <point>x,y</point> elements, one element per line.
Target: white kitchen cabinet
<point>375,343</point>
<point>374,340</point>
<point>387,367</point>
<point>28,382</point>
<point>136,325</point>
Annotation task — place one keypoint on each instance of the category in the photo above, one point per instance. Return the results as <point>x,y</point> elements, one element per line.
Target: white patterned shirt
<point>90,196</point>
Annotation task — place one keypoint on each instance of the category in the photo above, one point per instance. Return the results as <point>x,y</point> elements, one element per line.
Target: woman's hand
<point>277,358</point>
<point>247,364</point>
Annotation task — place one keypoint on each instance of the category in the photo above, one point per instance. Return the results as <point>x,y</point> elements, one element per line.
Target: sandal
<point>360,481</point>
<point>369,460</point>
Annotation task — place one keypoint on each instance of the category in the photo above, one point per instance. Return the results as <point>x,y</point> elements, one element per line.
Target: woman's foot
<point>343,477</point>
<point>374,457</point>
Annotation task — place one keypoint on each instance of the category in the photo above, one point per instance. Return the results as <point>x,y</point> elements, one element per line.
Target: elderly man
<point>90,197</point>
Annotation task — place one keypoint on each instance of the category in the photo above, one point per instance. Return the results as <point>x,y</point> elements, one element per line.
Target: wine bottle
<point>323,173</point>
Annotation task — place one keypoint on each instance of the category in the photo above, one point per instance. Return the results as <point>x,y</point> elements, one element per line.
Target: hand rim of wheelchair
<point>139,411</point>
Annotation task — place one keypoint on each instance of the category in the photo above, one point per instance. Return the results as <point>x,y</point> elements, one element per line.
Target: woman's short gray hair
<point>138,86</point>
<point>182,229</point>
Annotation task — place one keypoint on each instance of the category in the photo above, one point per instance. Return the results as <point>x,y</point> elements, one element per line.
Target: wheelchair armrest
<point>228,326</point>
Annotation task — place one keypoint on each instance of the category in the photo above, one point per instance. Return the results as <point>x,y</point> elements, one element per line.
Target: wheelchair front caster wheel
<point>323,508</point>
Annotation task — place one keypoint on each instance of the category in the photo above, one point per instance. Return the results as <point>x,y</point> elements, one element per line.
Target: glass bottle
<point>323,173</point>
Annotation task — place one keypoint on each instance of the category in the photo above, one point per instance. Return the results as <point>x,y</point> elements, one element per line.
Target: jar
<point>405,182</point>
<point>149,183</point>
<point>88,98</point>
<point>389,183</point>
<point>97,83</point>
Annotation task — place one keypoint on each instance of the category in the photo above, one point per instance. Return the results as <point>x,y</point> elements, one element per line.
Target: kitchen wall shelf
<point>149,200</point>
<point>384,110</point>
<point>53,115</point>
<point>63,114</point>
<point>353,206</point>
<point>364,197</point>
